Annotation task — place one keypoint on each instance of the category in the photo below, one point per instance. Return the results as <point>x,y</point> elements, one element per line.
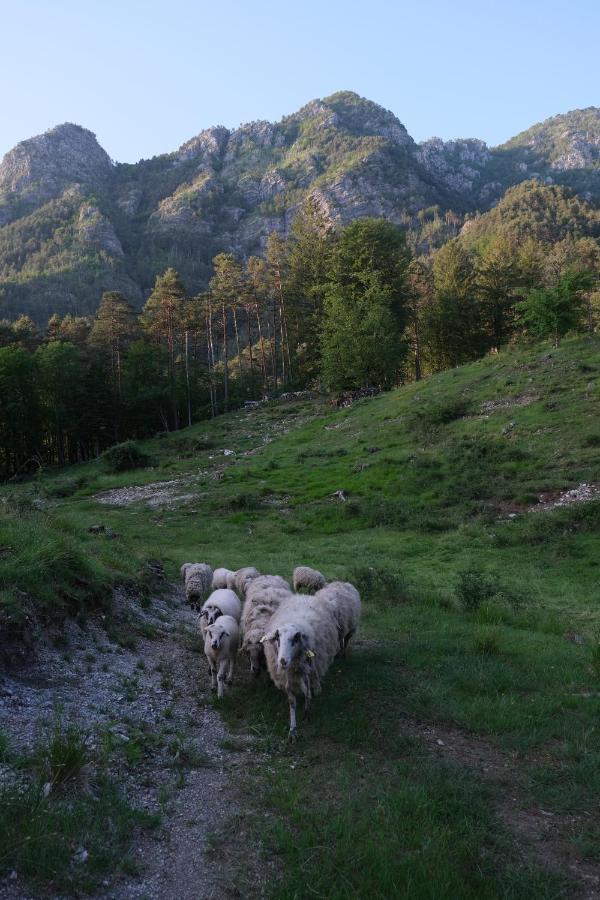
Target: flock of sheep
<point>295,635</point>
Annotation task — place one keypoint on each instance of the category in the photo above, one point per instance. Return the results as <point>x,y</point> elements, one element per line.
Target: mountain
<point>73,224</point>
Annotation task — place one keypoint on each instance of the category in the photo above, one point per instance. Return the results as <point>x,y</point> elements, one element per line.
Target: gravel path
<point>114,682</point>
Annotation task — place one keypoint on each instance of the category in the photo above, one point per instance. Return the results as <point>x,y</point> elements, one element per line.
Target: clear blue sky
<point>146,75</point>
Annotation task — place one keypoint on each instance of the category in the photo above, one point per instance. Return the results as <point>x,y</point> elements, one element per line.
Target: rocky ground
<point>141,685</point>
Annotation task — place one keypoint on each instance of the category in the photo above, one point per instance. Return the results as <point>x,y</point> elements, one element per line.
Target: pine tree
<point>113,329</point>
<point>365,307</point>
<point>162,319</point>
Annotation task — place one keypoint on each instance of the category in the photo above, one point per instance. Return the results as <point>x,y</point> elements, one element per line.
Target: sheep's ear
<point>272,636</point>
<point>298,638</point>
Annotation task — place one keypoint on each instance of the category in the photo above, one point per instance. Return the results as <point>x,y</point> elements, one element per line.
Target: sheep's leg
<point>213,675</point>
<point>315,683</point>
<point>230,674</point>
<point>307,693</point>
<point>292,701</point>
<point>221,677</point>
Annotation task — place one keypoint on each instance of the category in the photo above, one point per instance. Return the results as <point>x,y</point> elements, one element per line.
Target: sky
<point>146,75</point>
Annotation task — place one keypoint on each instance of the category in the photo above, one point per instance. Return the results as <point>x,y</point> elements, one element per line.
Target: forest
<point>334,309</point>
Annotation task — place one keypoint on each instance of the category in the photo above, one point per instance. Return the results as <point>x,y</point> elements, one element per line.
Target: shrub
<point>380,587</point>
<point>442,413</point>
<point>486,644</point>
<point>123,457</point>
<point>473,588</point>
<point>592,440</point>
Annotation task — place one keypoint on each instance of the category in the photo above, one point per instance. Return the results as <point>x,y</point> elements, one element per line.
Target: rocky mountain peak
<point>41,167</point>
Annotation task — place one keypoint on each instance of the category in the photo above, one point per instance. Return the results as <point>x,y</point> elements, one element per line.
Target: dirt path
<point>152,692</point>
<point>542,833</point>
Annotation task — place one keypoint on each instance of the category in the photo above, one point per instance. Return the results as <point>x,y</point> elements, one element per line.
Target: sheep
<point>220,646</point>
<point>198,579</point>
<point>310,579</point>
<point>221,602</point>
<point>345,601</point>
<point>259,584</point>
<point>299,647</point>
<point>220,577</point>
<point>238,581</point>
<point>263,597</point>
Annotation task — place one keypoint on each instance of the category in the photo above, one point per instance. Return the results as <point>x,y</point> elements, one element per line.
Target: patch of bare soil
<point>542,832</point>
<point>583,493</point>
<point>490,406</point>
<point>154,692</point>
<point>159,493</point>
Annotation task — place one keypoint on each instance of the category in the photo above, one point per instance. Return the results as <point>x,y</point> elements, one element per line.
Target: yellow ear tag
<point>310,654</point>
<point>263,638</point>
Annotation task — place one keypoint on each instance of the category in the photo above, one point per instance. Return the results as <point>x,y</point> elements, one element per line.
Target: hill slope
<point>461,725</point>
<point>73,224</point>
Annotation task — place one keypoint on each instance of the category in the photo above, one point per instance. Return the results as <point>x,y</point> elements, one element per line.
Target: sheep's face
<point>216,634</point>
<point>254,649</point>
<point>210,614</point>
<point>290,644</point>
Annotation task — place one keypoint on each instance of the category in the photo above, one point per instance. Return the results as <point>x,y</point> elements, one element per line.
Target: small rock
<point>81,855</point>
<point>340,495</point>
<point>97,529</point>
<point>440,742</point>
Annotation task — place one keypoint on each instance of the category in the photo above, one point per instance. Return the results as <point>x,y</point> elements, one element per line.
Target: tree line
<point>336,309</point>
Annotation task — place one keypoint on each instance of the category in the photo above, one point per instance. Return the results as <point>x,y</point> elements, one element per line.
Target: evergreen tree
<point>495,282</point>
<point>114,327</point>
<point>310,246</point>
<point>552,312</point>
<point>452,322</point>
<point>365,307</point>
<point>162,319</point>
<point>20,432</point>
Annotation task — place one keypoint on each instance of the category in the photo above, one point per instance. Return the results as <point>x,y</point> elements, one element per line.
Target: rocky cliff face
<point>73,224</point>
<point>42,167</point>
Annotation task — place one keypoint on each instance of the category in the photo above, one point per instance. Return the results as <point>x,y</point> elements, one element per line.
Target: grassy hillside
<point>481,613</point>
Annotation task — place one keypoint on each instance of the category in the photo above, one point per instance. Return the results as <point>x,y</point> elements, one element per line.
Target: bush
<point>123,457</point>
<point>380,587</point>
<point>486,644</point>
<point>473,588</point>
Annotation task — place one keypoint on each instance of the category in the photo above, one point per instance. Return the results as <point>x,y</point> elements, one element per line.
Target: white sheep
<point>220,577</point>
<point>310,580</point>
<point>299,646</point>
<point>240,580</point>
<point>221,602</point>
<point>220,646</point>
<point>198,580</point>
<point>263,597</point>
<point>262,582</point>
<point>345,601</point>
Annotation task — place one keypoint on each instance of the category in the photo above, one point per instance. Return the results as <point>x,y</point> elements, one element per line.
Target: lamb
<point>308,579</point>
<point>299,646</point>
<point>263,597</point>
<point>239,581</point>
<point>220,577</point>
<point>221,602</point>
<point>198,579</point>
<point>345,601</point>
<point>220,646</point>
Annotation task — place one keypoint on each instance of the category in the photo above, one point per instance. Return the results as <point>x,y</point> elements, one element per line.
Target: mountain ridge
<point>119,224</point>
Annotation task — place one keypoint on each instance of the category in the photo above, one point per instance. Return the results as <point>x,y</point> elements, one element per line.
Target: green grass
<point>57,834</point>
<point>470,601</point>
